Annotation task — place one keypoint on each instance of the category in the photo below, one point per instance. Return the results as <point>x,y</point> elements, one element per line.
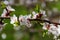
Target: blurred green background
<point>23,10</point>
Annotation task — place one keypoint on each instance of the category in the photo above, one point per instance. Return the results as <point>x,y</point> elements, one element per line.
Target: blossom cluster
<point>52,29</point>
<point>24,19</point>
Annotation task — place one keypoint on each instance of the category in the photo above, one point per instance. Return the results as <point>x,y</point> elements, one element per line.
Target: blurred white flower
<point>35,15</point>
<point>10,8</point>
<point>43,12</point>
<point>55,37</point>
<point>6,2</point>
<point>44,26</point>
<point>29,16</point>
<point>58,29</point>
<point>58,39</point>
<point>33,12</point>
<point>14,20</point>
<point>3,36</point>
<point>53,29</point>
<point>44,15</point>
<point>5,12</point>
<point>24,20</point>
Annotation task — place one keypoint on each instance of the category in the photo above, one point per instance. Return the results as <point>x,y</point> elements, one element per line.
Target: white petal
<point>13,19</point>
<point>11,9</point>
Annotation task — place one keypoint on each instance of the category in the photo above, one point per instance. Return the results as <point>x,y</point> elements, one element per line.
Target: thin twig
<point>43,21</point>
<point>4,17</point>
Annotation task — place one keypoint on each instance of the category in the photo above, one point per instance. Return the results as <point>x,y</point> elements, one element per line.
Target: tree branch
<point>43,21</point>
<point>35,20</point>
<point>4,17</point>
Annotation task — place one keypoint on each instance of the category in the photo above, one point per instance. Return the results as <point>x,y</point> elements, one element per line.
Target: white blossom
<point>58,39</point>
<point>33,12</point>
<point>24,20</point>
<point>4,13</point>
<point>35,15</point>
<point>9,8</point>
<point>53,29</point>
<point>29,16</point>
<point>3,36</point>
<point>43,12</point>
<point>6,2</point>
<point>58,29</point>
<point>44,26</point>
<point>44,16</point>
<point>14,20</point>
<point>55,37</point>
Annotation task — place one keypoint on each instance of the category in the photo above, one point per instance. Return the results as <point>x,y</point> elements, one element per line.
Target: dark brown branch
<point>34,20</point>
<point>43,21</point>
<point>4,17</point>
